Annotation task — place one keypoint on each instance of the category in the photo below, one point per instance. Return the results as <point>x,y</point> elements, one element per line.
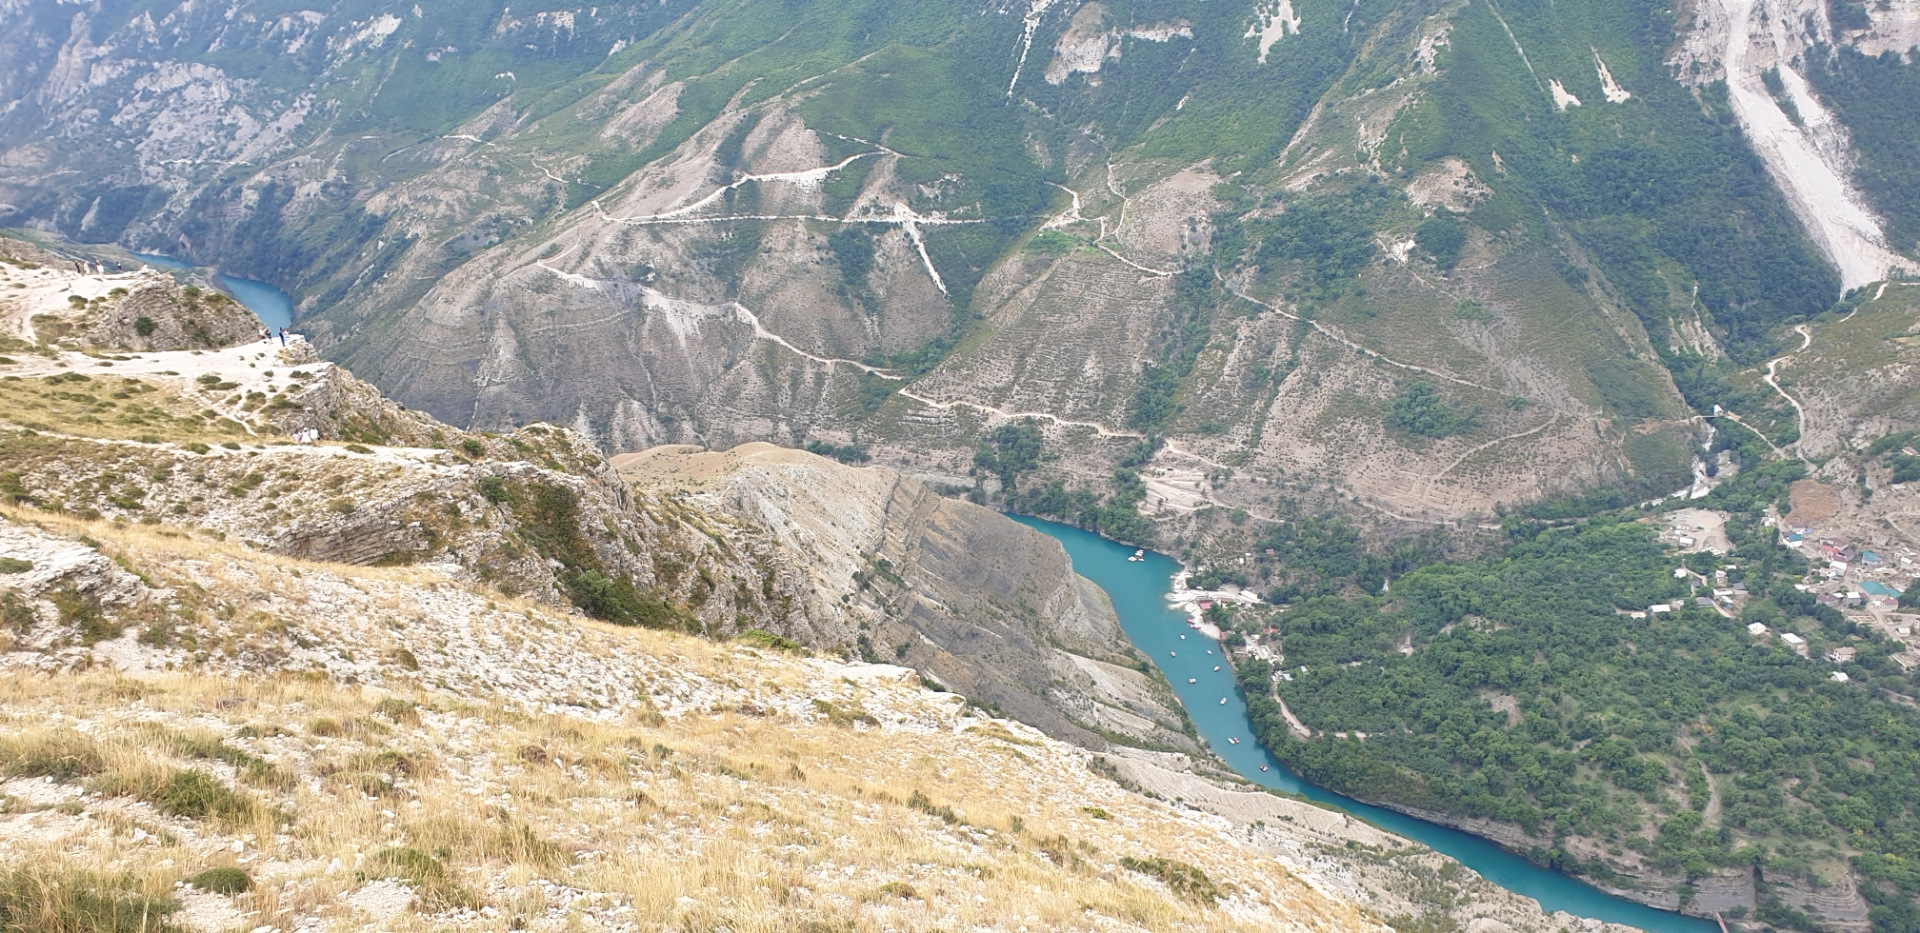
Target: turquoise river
<point>1138,591</point>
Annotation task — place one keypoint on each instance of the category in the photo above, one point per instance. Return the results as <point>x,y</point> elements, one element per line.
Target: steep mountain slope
<point>1272,232</point>
<point>381,748</point>
<point>1786,65</point>
<point>837,558</point>
<point>200,735</point>
<point>251,681</point>
<point>971,600</point>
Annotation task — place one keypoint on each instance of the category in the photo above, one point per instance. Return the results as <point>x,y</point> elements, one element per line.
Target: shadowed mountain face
<point>1437,257</point>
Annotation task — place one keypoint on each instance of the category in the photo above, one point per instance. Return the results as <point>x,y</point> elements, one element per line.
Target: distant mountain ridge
<point>1247,228</point>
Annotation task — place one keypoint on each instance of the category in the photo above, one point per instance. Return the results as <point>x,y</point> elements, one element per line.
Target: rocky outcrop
<point>155,313</point>
<point>336,405</point>
<point>975,602</point>
<point>49,299</point>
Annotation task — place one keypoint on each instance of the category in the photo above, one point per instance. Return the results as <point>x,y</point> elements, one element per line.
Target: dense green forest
<point>1518,687</point>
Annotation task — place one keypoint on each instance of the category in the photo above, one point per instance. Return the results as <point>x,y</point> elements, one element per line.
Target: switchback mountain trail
<point>1799,413</point>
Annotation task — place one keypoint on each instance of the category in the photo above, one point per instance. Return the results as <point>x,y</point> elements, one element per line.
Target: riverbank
<point>1202,677</point>
<point>1342,855</point>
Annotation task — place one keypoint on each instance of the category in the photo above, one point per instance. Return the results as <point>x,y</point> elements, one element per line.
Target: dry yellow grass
<point>679,784</point>
<point>103,405</point>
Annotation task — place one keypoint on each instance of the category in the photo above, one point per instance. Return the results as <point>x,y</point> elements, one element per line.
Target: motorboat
<point>1216,667</point>
<point>1173,654</point>
<point>1263,767</point>
<point>1223,701</point>
<point>1193,680</point>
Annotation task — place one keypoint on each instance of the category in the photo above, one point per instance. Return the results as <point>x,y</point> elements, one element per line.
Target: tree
<point>1419,410</point>
<point>1442,238</point>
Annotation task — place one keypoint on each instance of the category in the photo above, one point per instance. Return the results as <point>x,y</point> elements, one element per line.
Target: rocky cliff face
<point>855,561</point>
<point>976,603</point>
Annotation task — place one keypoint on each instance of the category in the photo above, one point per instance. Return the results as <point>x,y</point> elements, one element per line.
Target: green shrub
<point>1419,410</point>
<point>616,600</point>
<point>144,326</point>
<point>765,639</point>
<point>925,804</point>
<point>1186,880</point>
<point>494,489</point>
<point>1326,238</point>
<point>550,521</point>
<point>195,796</point>
<point>222,881</point>
<point>1442,238</point>
<point>15,565</point>
<point>359,449</point>
<point>82,611</point>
